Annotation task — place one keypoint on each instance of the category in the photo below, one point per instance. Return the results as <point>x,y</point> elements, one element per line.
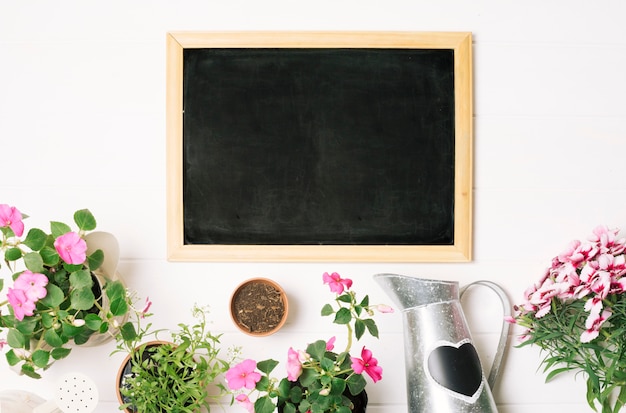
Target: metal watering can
<point>443,370</point>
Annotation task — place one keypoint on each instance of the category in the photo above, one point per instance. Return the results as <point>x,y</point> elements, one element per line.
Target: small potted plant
<point>59,296</point>
<point>319,380</point>
<point>259,307</point>
<point>173,375</point>
<point>576,314</point>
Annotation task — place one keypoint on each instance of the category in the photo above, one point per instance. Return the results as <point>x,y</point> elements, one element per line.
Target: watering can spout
<point>443,371</point>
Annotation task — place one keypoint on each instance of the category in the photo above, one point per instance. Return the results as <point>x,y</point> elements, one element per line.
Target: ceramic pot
<point>259,307</point>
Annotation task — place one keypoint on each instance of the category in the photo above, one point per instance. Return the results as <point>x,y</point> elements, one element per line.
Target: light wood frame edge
<point>460,251</point>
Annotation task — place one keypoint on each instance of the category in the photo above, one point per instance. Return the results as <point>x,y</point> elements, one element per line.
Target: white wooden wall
<point>82,124</point>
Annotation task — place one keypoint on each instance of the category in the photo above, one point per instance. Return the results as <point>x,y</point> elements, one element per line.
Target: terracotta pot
<point>259,307</point>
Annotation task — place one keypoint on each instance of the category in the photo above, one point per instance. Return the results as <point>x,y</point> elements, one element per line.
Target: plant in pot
<point>319,380</point>
<point>576,315</point>
<point>181,374</point>
<point>62,292</point>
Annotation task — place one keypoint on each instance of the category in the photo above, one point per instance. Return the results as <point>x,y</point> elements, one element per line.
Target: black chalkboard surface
<point>319,146</point>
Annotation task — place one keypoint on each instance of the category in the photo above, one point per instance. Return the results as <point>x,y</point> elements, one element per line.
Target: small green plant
<point>173,375</point>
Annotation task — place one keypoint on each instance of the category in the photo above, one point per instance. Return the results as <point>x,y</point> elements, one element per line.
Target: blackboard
<point>316,148</point>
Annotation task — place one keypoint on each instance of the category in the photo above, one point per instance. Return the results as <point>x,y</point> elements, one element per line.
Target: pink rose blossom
<point>243,375</point>
<point>368,364</point>
<point>294,366</point>
<point>336,283</point>
<point>33,285</point>
<point>12,218</point>
<point>72,248</point>
<point>21,305</point>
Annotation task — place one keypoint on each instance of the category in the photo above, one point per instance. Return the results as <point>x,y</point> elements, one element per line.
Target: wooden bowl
<point>259,307</point>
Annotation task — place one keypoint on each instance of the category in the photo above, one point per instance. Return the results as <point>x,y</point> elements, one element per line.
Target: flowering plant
<point>318,379</point>
<point>54,299</point>
<point>576,314</point>
<point>170,376</point>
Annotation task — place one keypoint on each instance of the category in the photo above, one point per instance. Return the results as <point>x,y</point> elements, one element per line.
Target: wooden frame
<point>459,251</point>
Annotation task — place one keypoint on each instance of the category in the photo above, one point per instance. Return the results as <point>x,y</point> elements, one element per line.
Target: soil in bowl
<point>258,307</point>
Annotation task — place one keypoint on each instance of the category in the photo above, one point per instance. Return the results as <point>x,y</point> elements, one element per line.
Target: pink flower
<point>593,324</point>
<point>368,364</point>
<point>330,344</point>
<point>294,366</point>
<point>21,305</point>
<point>245,402</point>
<point>243,375</point>
<point>146,307</point>
<point>33,285</point>
<point>3,343</point>
<point>72,248</point>
<point>336,283</point>
<point>384,308</point>
<point>12,218</point>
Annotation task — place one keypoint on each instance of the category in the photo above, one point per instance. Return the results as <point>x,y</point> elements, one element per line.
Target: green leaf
<point>365,302</point>
<point>35,239</point>
<point>327,310</point>
<point>343,316</point>
<point>371,327</point>
<point>359,328</point>
<point>118,307</point>
<point>264,405</point>
<point>15,339</point>
<point>33,262</point>
<point>128,331</point>
<point>82,299</point>
<point>93,322</point>
<point>115,290</point>
<point>12,358</point>
<point>53,339</point>
<point>54,297</point>
<point>317,350</point>
<point>346,298</point>
<point>266,366</point>
<point>58,228</point>
<point>85,220</point>
<point>356,384</point>
<point>29,370</point>
<point>81,279</point>
<point>60,352</point>
<point>26,326</point>
<point>41,358</point>
<point>13,254</point>
<point>95,260</point>
<point>50,256</point>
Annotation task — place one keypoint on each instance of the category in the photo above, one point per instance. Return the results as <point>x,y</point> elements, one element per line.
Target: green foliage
<point>172,376</point>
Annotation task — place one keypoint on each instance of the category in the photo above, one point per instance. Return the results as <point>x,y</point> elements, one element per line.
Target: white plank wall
<point>82,124</point>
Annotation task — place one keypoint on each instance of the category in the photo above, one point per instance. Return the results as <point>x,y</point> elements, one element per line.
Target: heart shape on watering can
<point>457,368</point>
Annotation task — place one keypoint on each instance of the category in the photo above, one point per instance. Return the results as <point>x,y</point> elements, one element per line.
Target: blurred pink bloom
<point>3,343</point>
<point>33,284</point>
<point>245,402</point>
<point>21,305</point>
<point>384,308</point>
<point>336,283</point>
<point>593,324</point>
<point>72,248</point>
<point>368,364</point>
<point>330,344</point>
<point>146,307</point>
<point>12,218</point>
<point>243,375</point>
<point>294,366</point>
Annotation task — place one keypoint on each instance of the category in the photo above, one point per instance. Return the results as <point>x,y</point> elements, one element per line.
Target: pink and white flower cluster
<point>28,288</point>
<point>592,271</point>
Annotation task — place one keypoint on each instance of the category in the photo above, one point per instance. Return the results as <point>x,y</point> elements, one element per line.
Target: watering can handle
<point>506,307</point>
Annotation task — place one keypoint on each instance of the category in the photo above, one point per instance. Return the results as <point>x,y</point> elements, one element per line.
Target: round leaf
<point>81,279</point>
<point>343,316</point>
<point>35,239</point>
<point>53,339</point>
<point>60,352</point>
<point>41,358</point>
<point>33,262</point>
<point>54,297</point>
<point>13,254</point>
<point>58,228</point>
<point>82,299</point>
<point>118,307</point>
<point>85,220</point>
